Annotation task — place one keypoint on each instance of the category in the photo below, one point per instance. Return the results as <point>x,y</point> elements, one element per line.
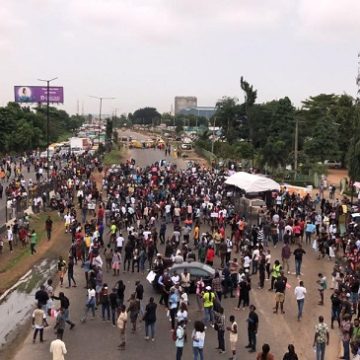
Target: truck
<point>79,145</point>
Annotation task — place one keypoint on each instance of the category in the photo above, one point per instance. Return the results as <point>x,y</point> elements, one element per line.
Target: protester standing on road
<point>300,292</point>
<point>280,287</point>
<point>321,338</point>
<point>346,328</point>
<point>133,310</point>
<point>285,256</point>
<point>105,302</point>
<point>39,322</point>
<point>322,287</point>
<point>233,336</point>
<point>33,242</point>
<point>10,238</point>
<point>90,303</point>
<point>57,347</point>
<point>60,322</point>
<point>61,267</point>
<point>65,304</point>
<point>198,340</point>
<point>291,354</point>
<point>150,319</point>
<point>208,297</point>
<point>180,339</point>
<point>121,324</point>
<point>48,227</point>
<point>253,324</point>
<point>70,271</point>
<point>298,254</point>
<point>265,353</point>
<point>220,328</point>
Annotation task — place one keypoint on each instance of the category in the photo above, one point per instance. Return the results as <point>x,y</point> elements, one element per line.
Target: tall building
<point>204,111</point>
<point>184,102</point>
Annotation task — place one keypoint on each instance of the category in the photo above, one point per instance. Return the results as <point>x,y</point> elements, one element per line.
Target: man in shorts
<point>280,287</point>
<point>233,332</point>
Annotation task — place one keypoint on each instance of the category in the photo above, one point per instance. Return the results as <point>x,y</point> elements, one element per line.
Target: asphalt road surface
<point>98,339</point>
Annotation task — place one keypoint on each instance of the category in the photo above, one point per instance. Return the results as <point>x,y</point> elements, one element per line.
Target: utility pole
<point>357,104</point>
<point>213,136</point>
<point>296,146</point>
<point>48,123</point>
<point>101,98</point>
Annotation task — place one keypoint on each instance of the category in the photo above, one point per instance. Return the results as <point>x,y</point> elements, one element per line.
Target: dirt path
<point>15,265</point>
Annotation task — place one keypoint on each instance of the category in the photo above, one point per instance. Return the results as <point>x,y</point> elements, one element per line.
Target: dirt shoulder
<point>14,265</point>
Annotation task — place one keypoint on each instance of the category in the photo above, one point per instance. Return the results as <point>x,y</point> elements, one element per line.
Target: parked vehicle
<point>332,164</point>
<point>77,143</point>
<point>196,270</point>
<point>251,206</point>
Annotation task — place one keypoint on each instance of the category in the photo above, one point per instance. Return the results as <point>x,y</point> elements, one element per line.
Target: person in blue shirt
<point>309,230</point>
<point>173,306</point>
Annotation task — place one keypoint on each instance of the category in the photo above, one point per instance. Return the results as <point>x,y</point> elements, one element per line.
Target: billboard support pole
<point>101,98</point>
<point>48,123</point>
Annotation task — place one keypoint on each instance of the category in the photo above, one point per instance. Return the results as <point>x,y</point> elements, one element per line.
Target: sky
<point>146,52</point>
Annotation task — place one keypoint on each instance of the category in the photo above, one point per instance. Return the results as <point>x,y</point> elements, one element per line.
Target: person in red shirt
<point>101,214</point>
<point>23,235</point>
<point>297,232</point>
<point>210,254</point>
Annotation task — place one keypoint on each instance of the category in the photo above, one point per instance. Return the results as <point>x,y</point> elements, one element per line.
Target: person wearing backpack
<point>322,286</point>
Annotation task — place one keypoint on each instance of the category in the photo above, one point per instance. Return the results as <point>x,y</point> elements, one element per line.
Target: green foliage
<point>23,129</point>
<point>353,154</point>
<point>146,116</point>
<point>179,128</point>
<point>113,157</point>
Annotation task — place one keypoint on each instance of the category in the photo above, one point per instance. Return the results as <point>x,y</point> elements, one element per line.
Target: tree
<point>227,114</point>
<point>23,129</point>
<point>179,128</point>
<point>146,116</point>
<point>353,154</point>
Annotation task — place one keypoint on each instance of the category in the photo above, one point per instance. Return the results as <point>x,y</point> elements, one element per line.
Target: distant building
<point>184,102</point>
<point>203,111</point>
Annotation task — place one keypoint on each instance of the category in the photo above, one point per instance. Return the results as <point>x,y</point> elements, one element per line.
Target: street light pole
<point>213,137</point>
<point>101,98</point>
<point>296,146</point>
<point>48,123</point>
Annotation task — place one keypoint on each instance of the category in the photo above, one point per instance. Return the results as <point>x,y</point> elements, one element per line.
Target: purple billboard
<point>38,94</point>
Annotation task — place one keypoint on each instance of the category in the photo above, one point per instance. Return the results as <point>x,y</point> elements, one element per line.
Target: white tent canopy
<point>252,183</point>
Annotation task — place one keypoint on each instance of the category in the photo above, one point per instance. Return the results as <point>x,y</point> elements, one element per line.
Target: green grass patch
<point>37,222</point>
<point>14,260</point>
<point>113,157</point>
<point>31,284</point>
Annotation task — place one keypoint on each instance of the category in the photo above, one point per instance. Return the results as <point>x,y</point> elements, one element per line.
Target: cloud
<point>329,20</point>
<point>169,20</point>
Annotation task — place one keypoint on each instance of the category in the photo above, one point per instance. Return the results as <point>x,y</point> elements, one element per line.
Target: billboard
<point>38,94</point>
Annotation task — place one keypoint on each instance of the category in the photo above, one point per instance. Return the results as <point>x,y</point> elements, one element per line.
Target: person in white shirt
<point>10,238</point>
<point>300,292</point>
<point>57,347</point>
<point>120,242</point>
<point>67,219</point>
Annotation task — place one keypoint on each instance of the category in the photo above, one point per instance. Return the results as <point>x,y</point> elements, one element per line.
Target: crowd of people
<point>150,218</point>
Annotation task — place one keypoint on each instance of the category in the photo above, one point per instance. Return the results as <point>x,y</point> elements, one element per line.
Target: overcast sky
<point>145,52</point>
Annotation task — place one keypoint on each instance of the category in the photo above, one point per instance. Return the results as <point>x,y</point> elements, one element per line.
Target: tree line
<point>23,128</point>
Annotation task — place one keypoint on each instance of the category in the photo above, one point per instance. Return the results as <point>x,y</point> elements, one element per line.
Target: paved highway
<point>98,339</point>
